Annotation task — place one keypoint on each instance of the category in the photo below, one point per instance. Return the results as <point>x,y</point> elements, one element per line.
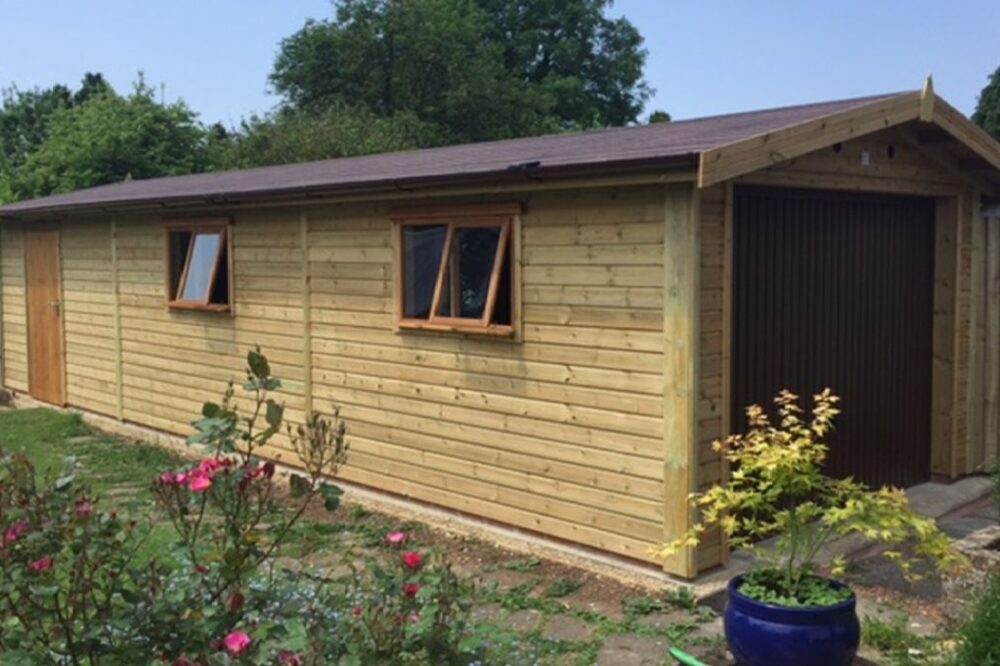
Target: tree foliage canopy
<point>987,113</point>
<point>291,136</point>
<point>103,137</point>
<point>473,69</point>
<point>382,75</point>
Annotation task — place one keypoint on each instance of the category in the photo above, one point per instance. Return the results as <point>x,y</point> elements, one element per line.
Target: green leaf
<point>331,496</point>
<point>274,414</point>
<point>297,485</point>
<point>44,591</point>
<point>210,409</point>
<point>258,364</point>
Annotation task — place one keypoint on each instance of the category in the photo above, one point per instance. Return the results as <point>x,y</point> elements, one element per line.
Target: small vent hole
<point>837,147</point>
<point>891,151</point>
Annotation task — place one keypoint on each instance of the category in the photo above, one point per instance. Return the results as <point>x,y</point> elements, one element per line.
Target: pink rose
<point>199,483</point>
<point>180,478</point>
<point>84,509</point>
<point>396,538</point>
<point>43,564</point>
<point>167,478</point>
<point>16,530</point>
<point>237,642</point>
<point>412,560</point>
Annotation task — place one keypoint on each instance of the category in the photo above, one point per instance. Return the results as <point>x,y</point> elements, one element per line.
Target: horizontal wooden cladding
<point>173,361</point>
<point>563,429</point>
<point>15,338</point>
<point>88,316</point>
<point>560,431</point>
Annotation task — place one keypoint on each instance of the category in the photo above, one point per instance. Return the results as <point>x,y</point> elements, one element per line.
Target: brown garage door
<point>836,289</point>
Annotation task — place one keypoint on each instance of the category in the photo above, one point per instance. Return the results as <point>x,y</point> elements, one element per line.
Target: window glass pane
<point>422,247</point>
<point>178,252</point>
<point>199,275</point>
<point>220,292</point>
<point>473,254</point>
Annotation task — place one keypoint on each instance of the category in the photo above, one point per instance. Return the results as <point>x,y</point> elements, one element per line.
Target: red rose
<point>411,589</point>
<point>412,560</point>
<point>43,564</point>
<point>357,611</point>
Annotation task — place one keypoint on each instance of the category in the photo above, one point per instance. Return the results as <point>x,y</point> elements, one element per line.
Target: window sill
<point>484,331</point>
<point>198,307</point>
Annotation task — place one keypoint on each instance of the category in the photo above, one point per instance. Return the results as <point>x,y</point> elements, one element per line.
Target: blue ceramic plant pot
<point>760,634</point>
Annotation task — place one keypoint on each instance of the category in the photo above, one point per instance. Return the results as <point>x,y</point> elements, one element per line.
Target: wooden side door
<point>44,308</point>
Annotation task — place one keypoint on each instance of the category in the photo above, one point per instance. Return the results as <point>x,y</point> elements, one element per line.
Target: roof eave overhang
<point>682,166</point>
<point>748,155</point>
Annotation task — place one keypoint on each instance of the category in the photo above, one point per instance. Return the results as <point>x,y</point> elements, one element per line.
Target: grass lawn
<point>117,472</point>
<point>106,462</point>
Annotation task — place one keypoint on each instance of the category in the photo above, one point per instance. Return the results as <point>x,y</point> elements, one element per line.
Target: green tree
<point>473,69</point>
<point>109,138</point>
<point>987,113</point>
<point>296,136</point>
<point>24,122</point>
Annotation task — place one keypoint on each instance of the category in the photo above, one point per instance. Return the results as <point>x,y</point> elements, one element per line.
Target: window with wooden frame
<point>198,265</point>
<point>455,269</point>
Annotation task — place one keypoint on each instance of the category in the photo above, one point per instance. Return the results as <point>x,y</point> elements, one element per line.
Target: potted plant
<point>782,611</point>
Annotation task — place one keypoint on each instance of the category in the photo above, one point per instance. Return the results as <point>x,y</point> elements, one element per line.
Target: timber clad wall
<point>14,325</point>
<point>88,317</point>
<point>172,361</point>
<point>561,432</point>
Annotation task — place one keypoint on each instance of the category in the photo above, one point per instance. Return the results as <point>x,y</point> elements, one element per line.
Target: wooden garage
<point>548,332</point>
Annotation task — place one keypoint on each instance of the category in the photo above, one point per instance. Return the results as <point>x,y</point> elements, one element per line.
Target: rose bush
<point>74,589</point>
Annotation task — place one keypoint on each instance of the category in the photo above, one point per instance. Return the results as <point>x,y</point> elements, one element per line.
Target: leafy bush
<point>63,566</point>
<point>777,488</point>
<point>979,644</point>
<point>73,589</point>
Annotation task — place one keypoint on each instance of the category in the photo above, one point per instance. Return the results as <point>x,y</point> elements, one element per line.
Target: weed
<point>641,606</point>
<point>562,586</point>
<point>893,639</point>
<point>683,598</point>
<point>979,634</point>
<point>524,565</point>
<point>357,512</point>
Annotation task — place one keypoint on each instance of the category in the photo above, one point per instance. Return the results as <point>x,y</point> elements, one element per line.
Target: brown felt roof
<point>661,144</point>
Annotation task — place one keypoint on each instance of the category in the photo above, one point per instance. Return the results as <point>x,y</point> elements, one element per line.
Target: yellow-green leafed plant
<point>777,488</point>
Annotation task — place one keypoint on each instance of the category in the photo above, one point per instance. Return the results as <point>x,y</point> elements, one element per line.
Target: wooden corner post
<point>681,252</point>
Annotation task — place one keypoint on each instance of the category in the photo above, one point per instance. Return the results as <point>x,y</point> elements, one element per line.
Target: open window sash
<point>449,278</point>
<point>201,270</point>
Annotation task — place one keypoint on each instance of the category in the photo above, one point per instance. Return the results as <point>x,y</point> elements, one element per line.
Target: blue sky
<point>705,56</point>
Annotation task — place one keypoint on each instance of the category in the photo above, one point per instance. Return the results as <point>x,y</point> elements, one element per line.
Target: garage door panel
<point>836,289</point>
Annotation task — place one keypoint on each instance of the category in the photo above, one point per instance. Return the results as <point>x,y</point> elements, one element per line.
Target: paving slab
<point>632,650</point>
<point>568,628</point>
<point>486,614</point>
<point>666,620</point>
<point>938,499</point>
<point>522,620</point>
